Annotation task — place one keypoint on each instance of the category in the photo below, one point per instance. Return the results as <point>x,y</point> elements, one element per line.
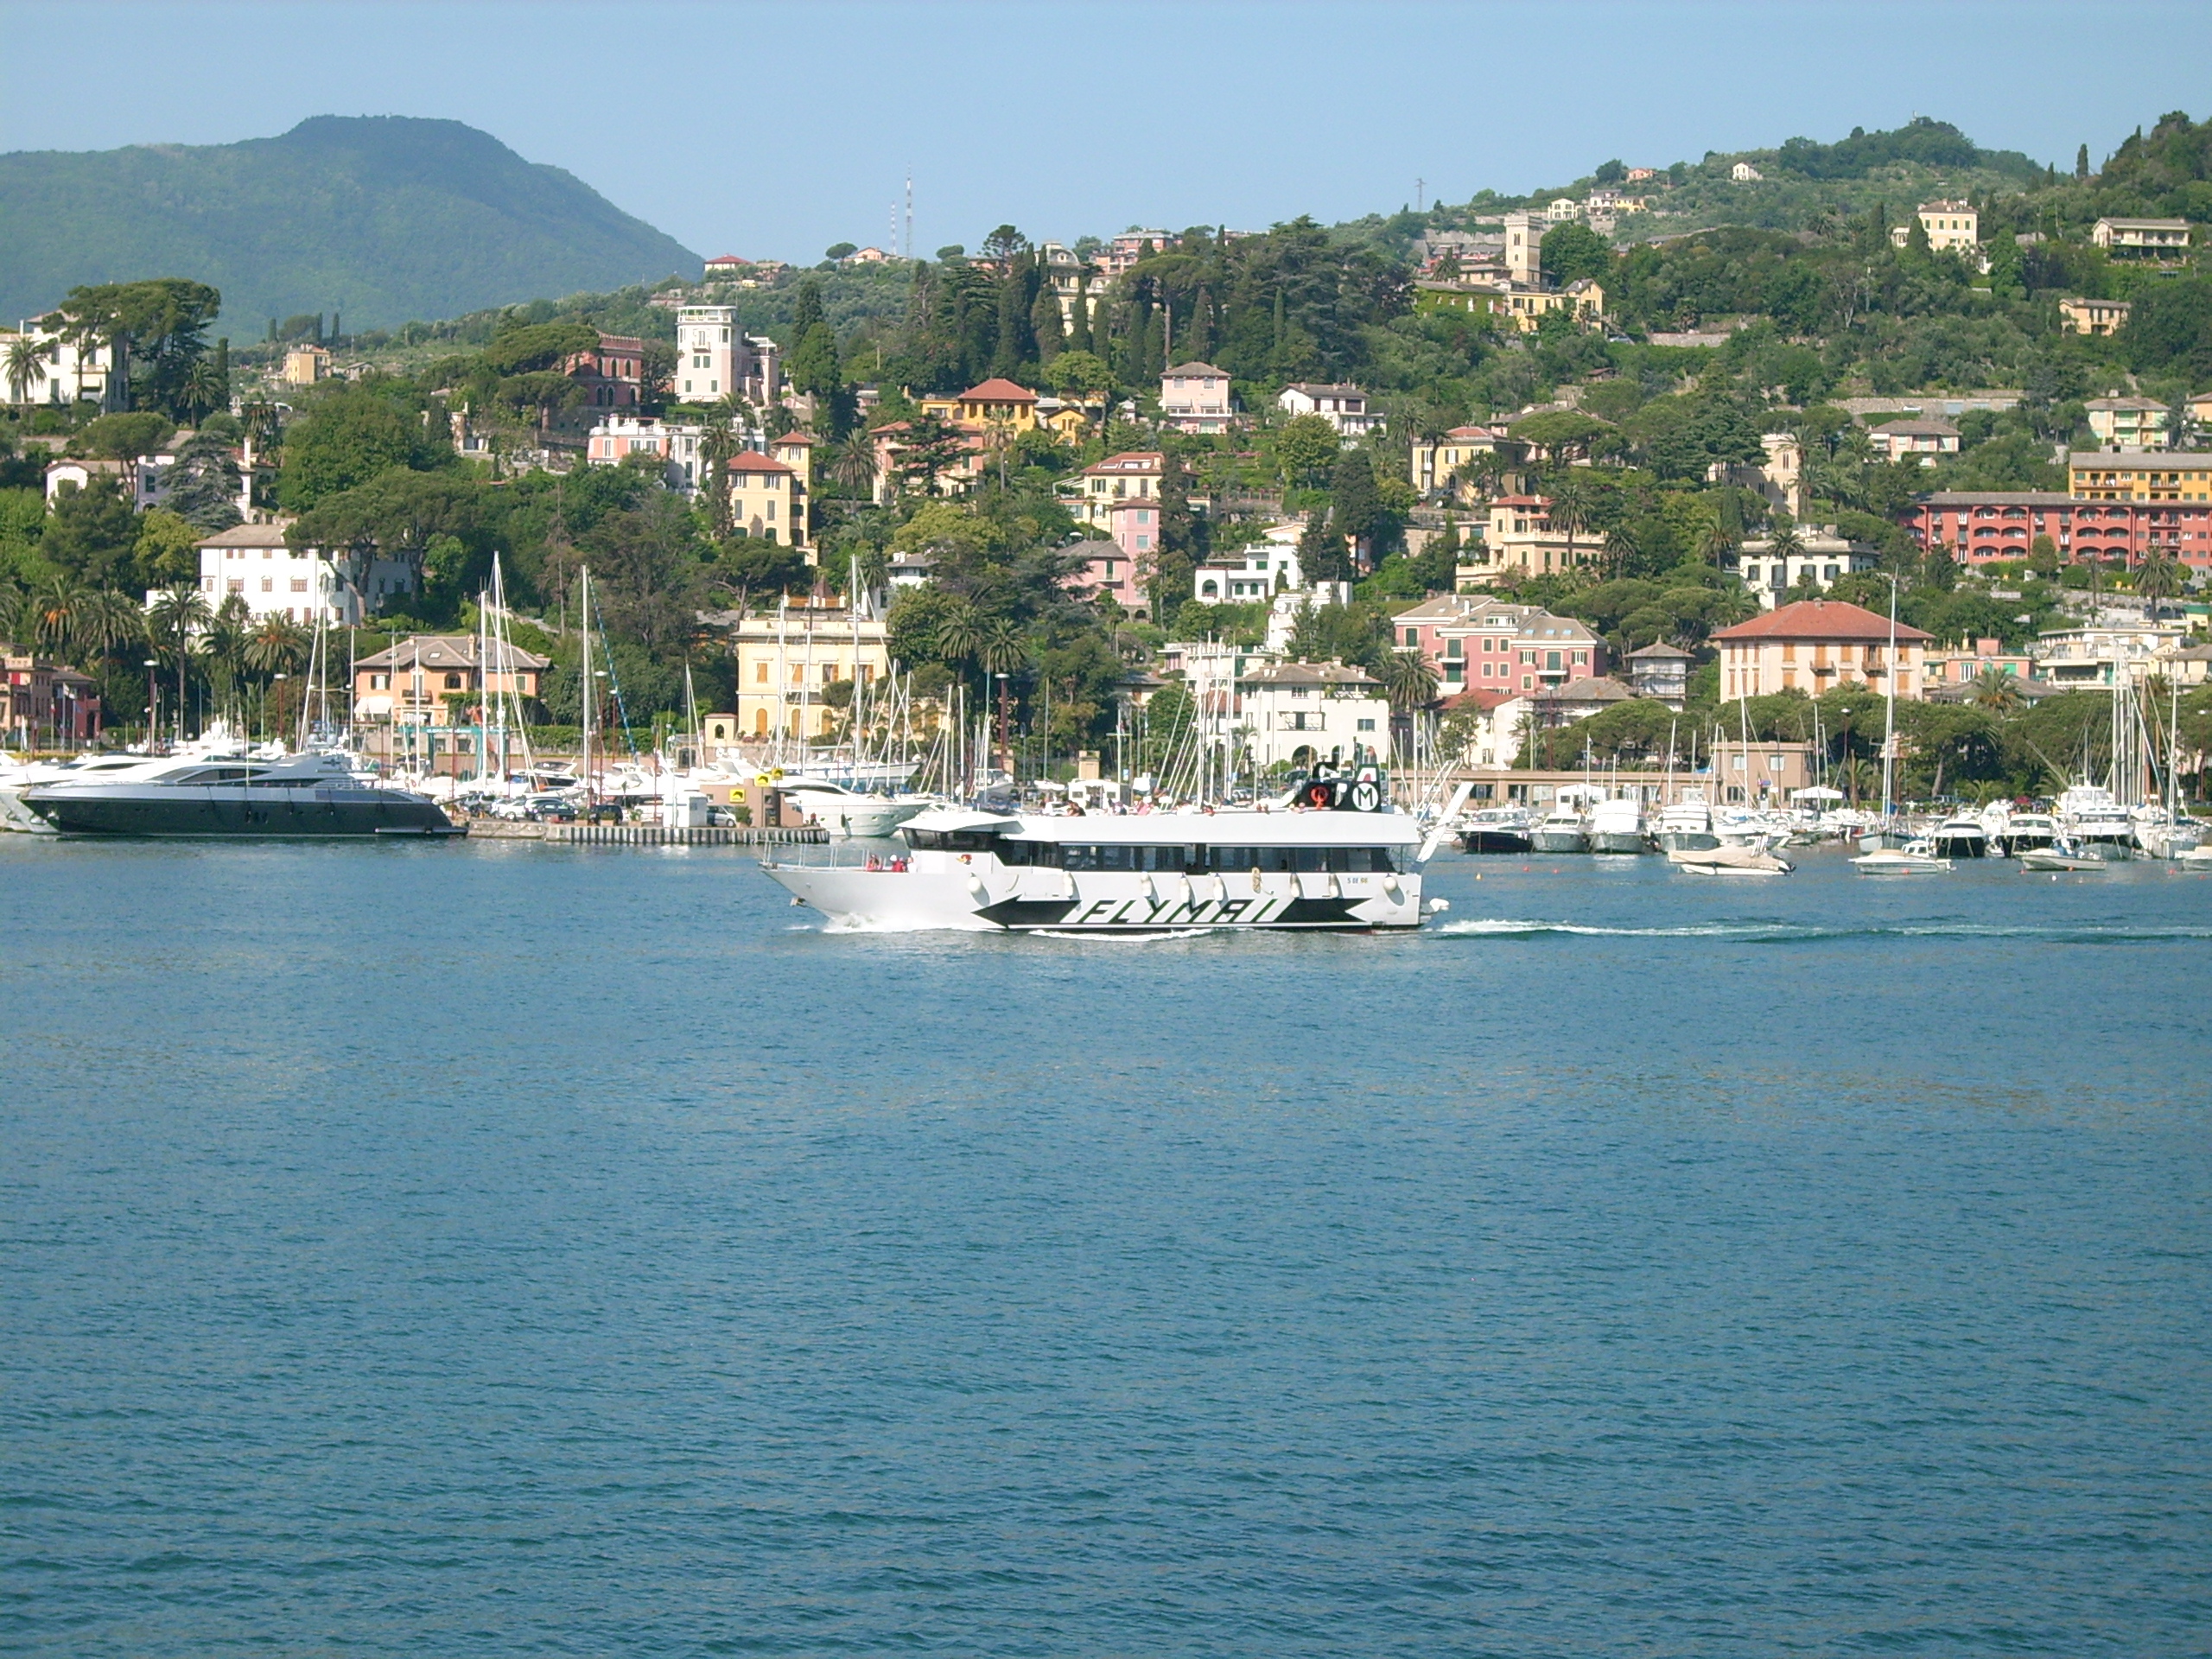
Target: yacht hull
<point>17,817</point>
<point>1561,841</point>
<point>288,812</point>
<point>1618,841</point>
<point>1494,840</point>
<point>1100,902</point>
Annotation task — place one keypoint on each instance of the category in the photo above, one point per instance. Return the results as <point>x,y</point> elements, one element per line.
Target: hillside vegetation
<point>379,219</point>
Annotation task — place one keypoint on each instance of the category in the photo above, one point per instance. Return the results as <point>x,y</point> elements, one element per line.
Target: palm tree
<point>1996,691</point>
<point>172,619</point>
<point>1570,510</point>
<point>26,362</point>
<point>54,617</point>
<point>222,647</point>
<point>276,645</point>
<point>1408,680</point>
<point>852,465</point>
<point>1003,649</point>
<point>1620,548</point>
<point>2157,578</point>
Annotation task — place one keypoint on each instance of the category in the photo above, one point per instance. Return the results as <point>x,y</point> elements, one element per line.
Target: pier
<point>642,835</point>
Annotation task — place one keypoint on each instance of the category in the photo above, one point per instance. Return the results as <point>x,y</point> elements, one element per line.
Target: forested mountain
<point>378,218</point>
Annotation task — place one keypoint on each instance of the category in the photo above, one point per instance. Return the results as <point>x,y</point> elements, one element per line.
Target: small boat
<point>1495,830</point>
<point>2197,858</point>
<point>2056,858</point>
<point>1729,861</point>
<point>1561,830</point>
<point>1914,858</point>
<point>2096,825</point>
<point>1617,826</point>
<point>1960,835</point>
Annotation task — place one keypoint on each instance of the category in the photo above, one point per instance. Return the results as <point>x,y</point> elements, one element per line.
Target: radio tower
<point>910,213</point>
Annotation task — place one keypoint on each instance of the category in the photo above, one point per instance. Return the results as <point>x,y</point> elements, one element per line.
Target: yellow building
<point>2140,475</point>
<point>2093,316</point>
<point>1816,644</point>
<point>1521,304</point>
<point>995,402</point>
<point>1951,227</point>
<point>1435,461</point>
<point>789,660</point>
<point>305,365</point>
<point>767,500</point>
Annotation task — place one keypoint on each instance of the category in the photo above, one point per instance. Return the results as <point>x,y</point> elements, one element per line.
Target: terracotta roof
<point>1823,618</point>
<point>806,438</point>
<point>1483,698</point>
<point>748,460</point>
<point>998,392</point>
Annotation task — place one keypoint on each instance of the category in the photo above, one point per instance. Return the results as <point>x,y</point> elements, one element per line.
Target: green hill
<point>381,218</point>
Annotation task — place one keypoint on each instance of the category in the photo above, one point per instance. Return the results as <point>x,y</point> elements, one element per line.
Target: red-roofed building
<point>995,402</point>
<point>726,264</point>
<point>1817,645</point>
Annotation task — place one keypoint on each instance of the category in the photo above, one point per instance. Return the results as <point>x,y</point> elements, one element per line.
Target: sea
<point>501,1248</point>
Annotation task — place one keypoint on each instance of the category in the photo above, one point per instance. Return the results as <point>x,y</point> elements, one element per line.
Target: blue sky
<point>777,128</point>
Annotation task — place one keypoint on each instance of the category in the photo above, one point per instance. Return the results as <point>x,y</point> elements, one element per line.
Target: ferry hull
<point>913,900</point>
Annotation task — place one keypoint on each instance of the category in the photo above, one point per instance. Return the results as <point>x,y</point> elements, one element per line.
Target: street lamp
<point>153,705</point>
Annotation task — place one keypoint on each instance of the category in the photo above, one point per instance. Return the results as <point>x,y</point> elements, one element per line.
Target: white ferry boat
<point>1309,870</point>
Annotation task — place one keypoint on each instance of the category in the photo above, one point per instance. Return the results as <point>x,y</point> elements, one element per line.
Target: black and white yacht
<point>311,794</point>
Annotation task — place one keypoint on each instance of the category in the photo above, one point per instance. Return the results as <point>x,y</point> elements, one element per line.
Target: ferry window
<point>1231,858</point>
<point>1078,858</point>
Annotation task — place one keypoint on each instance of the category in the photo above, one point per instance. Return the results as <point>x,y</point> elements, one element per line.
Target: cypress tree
<point>223,370</point>
<point>1079,323</point>
<point>1044,324</point>
<point>1321,556</point>
<point>807,309</point>
<point>2081,162</point>
<point>1357,503</point>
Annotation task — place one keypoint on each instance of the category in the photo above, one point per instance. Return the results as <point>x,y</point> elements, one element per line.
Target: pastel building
<point>253,564</point>
<point>716,359</point>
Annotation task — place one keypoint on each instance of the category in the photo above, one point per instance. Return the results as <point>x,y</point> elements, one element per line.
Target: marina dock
<point>642,835</point>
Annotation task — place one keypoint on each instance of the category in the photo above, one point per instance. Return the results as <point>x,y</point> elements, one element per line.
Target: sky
<point>775,128</point>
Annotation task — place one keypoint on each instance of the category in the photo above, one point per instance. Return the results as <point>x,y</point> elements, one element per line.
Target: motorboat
<point>2057,857</point>
<point>1617,826</point>
<point>2096,824</point>
<point>853,814</point>
<point>2015,833</point>
<point>1561,831</point>
<point>1351,866</point>
<point>1686,826</point>
<point>315,793</point>
<point>1914,858</point>
<point>1495,829</point>
<point>1729,861</point>
<point>2197,858</point>
<point>1960,835</point>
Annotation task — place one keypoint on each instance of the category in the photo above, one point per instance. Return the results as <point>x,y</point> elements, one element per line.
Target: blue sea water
<point>494,1249</point>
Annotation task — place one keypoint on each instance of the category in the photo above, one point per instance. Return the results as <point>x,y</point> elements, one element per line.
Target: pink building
<point>1134,525</point>
<point>1194,397</point>
<point>1108,571</point>
<point>1979,526</point>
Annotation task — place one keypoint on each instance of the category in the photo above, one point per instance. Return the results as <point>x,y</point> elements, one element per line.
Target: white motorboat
<point>1561,831</point>
<point>2197,858</point>
<point>1729,861</point>
<point>2059,857</point>
<point>1915,858</point>
<point>1495,829</point>
<point>1134,873</point>
<point>2011,834</point>
<point>1960,835</point>
<point>852,814</point>
<point>2164,835</point>
<point>2095,823</point>
<point>1686,826</point>
<point>1617,826</point>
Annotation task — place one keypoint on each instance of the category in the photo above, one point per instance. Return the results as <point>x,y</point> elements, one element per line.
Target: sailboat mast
<point>583,614</point>
<point>1889,706</point>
